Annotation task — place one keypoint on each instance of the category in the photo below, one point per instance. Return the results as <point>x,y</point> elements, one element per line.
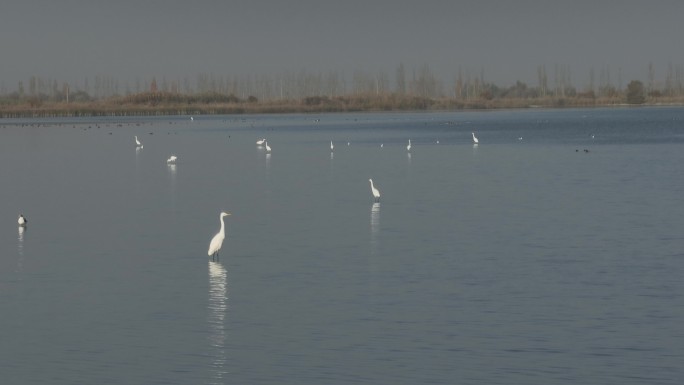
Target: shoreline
<point>321,105</point>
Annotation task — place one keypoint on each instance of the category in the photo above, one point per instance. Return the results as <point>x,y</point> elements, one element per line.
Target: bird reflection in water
<point>375,218</point>
<point>217,307</point>
<point>20,248</point>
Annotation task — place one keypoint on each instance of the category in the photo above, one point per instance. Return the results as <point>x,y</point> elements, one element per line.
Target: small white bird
<point>22,220</point>
<point>475,141</point>
<point>408,148</point>
<point>376,192</point>
<point>172,159</point>
<point>381,145</point>
<point>331,146</point>
<point>217,241</point>
<point>268,148</point>
<point>260,141</point>
<point>191,118</point>
<point>137,142</point>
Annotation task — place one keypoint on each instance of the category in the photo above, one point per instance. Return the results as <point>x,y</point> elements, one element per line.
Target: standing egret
<point>261,141</point>
<point>137,142</point>
<point>268,148</point>
<point>172,159</point>
<point>331,146</point>
<point>22,221</point>
<point>408,148</point>
<point>217,241</point>
<point>376,192</point>
<point>475,141</point>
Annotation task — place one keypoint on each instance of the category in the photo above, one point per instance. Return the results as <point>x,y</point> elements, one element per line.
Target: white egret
<point>137,142</point>
<point>217,241</point>
<point>331,146</point>
<point>376,192</point>
<point>408,148</point>
<point>22,221</point>
<point>381,145</point>
<point>191,118</point>
<point>260,141</point>
<point>475,140</point>
<point>172,159</point>
<point>268,148</point>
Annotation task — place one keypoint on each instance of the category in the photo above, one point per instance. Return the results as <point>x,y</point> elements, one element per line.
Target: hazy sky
<point>69,40</point>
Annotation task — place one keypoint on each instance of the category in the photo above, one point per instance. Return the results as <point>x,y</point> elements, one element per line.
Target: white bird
<point>261,141</point>
<point>137,142</point>
<point>191,118</point>
<point>172,159</point>
<point>331,146</point>
<point>408,148</point>
<point>268,148</point>
<point>376,192</point>
<point>217,241</point>
<point>475,141</point>
<point>381,145</point>
<point>22,221</point>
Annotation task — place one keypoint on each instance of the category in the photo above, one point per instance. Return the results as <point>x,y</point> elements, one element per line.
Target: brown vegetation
<point>310,93</point>
<point>159,103</point>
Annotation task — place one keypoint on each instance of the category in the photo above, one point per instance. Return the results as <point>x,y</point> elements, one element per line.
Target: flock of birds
<point>217,240</point>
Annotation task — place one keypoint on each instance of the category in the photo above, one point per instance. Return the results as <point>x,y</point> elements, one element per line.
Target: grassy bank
<point>152,104</point>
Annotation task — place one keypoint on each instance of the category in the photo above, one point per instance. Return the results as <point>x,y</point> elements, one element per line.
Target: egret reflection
<point>217,306</point>
<point>20,247</point>
<point>375,218</point>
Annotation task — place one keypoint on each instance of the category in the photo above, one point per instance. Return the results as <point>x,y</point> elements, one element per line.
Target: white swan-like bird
<point>217,240</point>
<point>374,191</point>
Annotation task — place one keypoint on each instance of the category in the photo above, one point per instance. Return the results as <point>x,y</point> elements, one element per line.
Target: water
<point>516,261</point>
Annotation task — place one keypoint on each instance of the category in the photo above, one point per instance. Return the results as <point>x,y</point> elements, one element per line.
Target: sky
<point>506,41</point>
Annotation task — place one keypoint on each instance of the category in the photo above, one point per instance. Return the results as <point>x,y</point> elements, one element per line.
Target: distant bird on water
<point>217,240</point>
<point>137,142</point>
<point>22,220</point>
<point>268,148</point>
<point>408,148</point>
<point>374,191</point>
<point>260,141</point>
<point>331,146</point>
<point>475,140</point>
<point>172,159</point>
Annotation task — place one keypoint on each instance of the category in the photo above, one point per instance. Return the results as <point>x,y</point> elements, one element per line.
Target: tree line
<point>468,89</point>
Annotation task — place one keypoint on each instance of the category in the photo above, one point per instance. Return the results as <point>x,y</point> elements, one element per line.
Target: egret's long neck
<point>223,226</point>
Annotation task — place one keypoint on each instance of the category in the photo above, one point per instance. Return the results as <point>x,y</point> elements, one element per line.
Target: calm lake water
<point>518,261</point>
